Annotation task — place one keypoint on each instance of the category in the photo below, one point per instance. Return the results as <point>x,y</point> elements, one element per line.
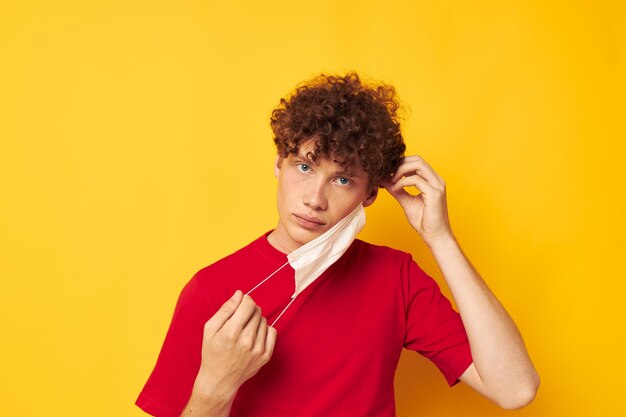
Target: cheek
<point>290,185</point>
<point>287,190</point>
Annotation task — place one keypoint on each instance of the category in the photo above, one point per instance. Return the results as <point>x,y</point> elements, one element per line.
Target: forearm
<point>208,400</point>
<point>498,350</point>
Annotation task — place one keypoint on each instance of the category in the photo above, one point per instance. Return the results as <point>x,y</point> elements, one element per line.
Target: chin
<point>303,236</point>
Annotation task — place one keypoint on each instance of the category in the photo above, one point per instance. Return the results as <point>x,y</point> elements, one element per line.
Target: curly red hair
<point>351,122</point>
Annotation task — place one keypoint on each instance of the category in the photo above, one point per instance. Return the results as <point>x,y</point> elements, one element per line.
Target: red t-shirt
<point>337,345</point>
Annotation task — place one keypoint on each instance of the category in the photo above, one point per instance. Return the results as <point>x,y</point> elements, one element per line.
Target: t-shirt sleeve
<point>434,329</point>
<point>169,386</point>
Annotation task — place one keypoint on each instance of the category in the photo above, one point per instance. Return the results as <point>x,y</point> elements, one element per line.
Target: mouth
<point>308,222</point>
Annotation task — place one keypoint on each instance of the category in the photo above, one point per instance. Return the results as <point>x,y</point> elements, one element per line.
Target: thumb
<point>399,193</point>
<point>224,313</point>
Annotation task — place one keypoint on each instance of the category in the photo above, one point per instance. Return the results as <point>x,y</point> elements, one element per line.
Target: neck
<point>274,240</point>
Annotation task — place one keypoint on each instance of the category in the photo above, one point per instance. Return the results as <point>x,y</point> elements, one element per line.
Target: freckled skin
<point>320,190</point>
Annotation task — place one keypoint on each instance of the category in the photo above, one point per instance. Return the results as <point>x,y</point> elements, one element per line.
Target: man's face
<point>313,197</point>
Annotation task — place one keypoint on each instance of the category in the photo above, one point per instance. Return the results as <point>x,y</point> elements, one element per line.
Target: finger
<point>421,167</point>
<point>404,197</point>
<point>224,313</point>
<point>236,323</point>
<point>413,158</point>
<point>401,195</point>
<point>417,166</point>
<point>414,180</point>
<point>250,329</point>
<point>270,341</point>
<point>261,334</point>
<point>406,164</point>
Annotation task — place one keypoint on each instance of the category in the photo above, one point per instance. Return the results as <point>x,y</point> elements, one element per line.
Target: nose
<point>315,196</point>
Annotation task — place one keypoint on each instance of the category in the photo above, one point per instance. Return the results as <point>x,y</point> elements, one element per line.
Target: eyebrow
<point>306,158</point>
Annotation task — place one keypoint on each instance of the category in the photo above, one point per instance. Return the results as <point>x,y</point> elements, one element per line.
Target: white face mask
<point>311,260</point>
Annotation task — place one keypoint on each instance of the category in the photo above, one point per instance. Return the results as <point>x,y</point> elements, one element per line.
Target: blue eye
<point>304,167</point>
<point>344,181</point>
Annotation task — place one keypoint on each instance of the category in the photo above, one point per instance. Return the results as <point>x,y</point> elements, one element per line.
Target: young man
<point>335,349</point>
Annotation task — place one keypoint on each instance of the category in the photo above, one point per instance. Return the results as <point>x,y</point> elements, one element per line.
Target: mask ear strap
<point>284,309</point>
<point>271,275</point>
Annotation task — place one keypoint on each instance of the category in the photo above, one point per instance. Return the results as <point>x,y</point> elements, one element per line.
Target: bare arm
<point>502,370</point>
<point>207,402</point>
<point>236,343</point>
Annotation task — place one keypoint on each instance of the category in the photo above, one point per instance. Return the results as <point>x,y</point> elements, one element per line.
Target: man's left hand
<point>427,212</point>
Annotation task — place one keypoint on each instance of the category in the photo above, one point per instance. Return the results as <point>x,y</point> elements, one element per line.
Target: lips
<point>308,222</point>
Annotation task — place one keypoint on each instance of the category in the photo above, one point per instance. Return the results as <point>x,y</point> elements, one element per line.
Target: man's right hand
<point>237,342</point>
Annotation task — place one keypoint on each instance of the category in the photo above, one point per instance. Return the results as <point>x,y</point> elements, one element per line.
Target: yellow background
<point>136,149</point>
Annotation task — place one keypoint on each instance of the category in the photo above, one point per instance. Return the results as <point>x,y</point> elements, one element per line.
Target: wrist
<point>208,390</point>
<point>442,243</point>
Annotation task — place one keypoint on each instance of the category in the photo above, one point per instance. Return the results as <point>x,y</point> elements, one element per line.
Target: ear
<point>371,198</point>
<point>277,164</point>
